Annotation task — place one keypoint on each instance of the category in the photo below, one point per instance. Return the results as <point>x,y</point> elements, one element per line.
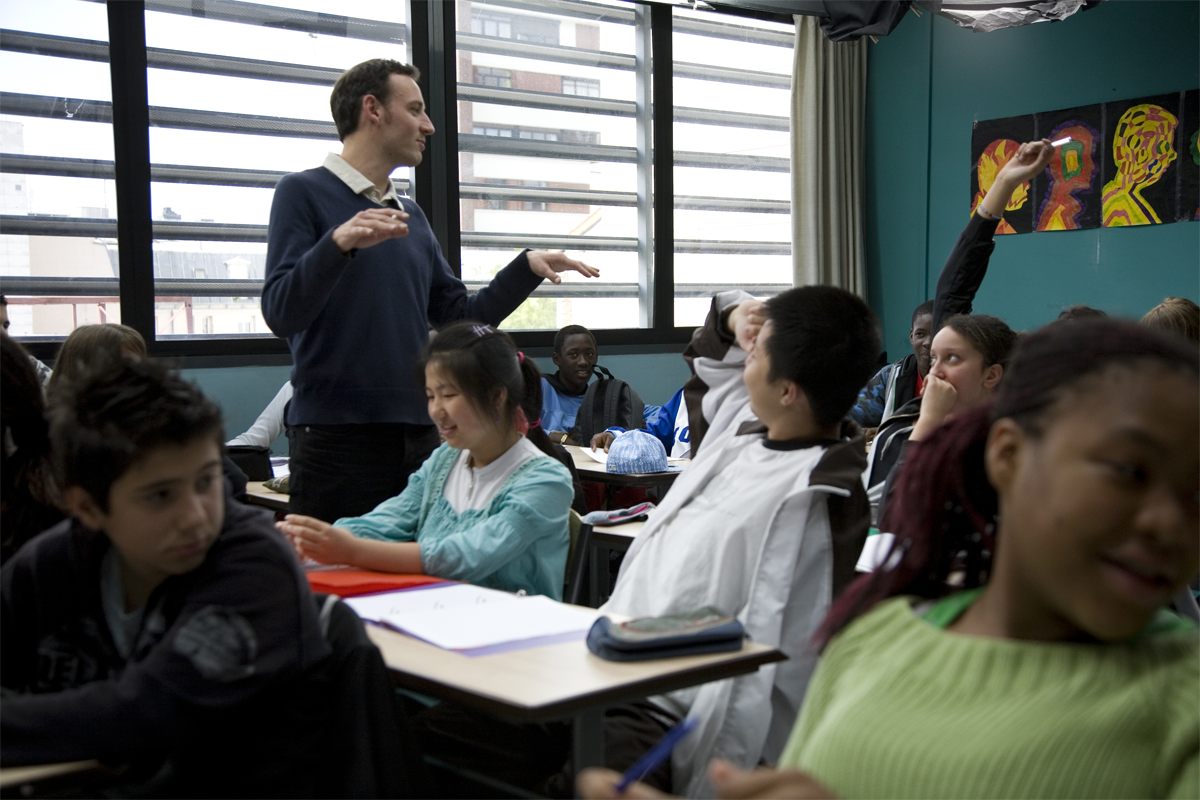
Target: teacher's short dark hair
<point>368,78</point>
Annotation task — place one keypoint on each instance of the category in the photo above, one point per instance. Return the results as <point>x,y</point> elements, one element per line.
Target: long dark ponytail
<point>943,509</point>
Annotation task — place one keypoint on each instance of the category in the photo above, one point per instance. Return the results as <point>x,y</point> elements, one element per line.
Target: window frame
<point>433,45</point>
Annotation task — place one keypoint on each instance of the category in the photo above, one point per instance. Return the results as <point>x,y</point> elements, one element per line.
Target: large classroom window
<point>58,257</point>
<point>239,96</point>
<point>732,87</point>
<point>549,159</point>
<point>554,105</point>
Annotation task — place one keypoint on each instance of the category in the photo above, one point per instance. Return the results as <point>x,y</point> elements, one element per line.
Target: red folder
<point>351,582</point>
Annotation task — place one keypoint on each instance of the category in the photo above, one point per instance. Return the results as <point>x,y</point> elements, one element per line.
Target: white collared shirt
<point>359,184</point>
<point>468,487</point>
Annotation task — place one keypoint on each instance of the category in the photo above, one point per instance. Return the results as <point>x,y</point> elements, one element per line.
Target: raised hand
<point>1030,159</point>
<point>548,264</point>
<point>746,321</point>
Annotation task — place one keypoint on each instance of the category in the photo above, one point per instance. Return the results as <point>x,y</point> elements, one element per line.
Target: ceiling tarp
<point>984,16</point>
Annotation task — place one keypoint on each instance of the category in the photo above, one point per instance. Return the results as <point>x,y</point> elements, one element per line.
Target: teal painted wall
<point>896,212</point>
<point>243,392</point>
<point>930,80</point>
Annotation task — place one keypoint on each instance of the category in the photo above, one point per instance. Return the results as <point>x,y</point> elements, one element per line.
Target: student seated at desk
<point>488,507</point>
<point>164,626</point>
<point>564,417</point>
<point>30,500</point>
<point>562,393</point>
<point>768,521</point>
<point>87,345</point>
<point>901,381</point>
<point>1017,643</point>
<point>91,346</point>
<point>1177,315</point>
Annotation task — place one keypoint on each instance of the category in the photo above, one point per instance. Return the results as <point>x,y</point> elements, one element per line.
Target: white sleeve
<point>270,422</point>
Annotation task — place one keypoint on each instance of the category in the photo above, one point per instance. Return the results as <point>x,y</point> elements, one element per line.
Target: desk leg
<point>597,574</point>
<point>588,740</point>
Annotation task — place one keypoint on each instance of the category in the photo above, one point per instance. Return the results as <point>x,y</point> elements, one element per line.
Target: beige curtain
<point>829,91</point>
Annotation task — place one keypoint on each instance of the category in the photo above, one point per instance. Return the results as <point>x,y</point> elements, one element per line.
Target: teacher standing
<point>354,281</point>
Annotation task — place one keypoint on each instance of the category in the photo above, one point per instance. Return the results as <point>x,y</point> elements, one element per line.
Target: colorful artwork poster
<point>1189,158</point>
<point>1068,193</point>
<point>993,143</point>
<point>1141,161</point>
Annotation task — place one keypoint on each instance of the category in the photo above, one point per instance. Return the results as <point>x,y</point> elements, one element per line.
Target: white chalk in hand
<point>1062,141</point>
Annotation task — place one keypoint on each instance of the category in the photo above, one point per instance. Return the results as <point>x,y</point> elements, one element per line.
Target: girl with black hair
<point>490,506</point>
<point>1017,643</point>
<point>31,501</point>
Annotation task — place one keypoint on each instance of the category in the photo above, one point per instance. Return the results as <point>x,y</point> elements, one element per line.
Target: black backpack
<point>608,401</point>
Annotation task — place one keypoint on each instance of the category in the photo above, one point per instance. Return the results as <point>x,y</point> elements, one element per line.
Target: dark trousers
<point>347,470</point>
<point>536,756</point>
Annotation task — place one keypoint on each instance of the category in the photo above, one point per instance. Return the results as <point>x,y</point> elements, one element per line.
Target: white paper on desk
<point>375,607</point>
<point>469,627</point>
<point>595,455</point>
<point>463,617</point>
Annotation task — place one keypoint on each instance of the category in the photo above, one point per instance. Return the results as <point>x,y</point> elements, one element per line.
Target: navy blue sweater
<point>356,324</point>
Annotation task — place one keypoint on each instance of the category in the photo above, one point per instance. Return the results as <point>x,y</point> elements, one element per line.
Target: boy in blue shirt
<point>164,626</point>
<point>562,393</point>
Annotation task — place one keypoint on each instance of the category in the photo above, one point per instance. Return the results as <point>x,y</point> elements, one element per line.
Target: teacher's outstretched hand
<point>548,264</point>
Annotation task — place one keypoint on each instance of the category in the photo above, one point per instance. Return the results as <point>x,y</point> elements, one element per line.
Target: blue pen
<point>656,755</point>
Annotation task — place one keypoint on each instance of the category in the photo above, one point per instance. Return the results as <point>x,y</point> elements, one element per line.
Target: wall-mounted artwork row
<point>1132,162</point>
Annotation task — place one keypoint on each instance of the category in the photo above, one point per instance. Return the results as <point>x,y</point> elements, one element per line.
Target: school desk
<point>33,781</point>
<point>555,681</point>
<point>601,540</point>
<point>590,470</point>
<point>259,495</point>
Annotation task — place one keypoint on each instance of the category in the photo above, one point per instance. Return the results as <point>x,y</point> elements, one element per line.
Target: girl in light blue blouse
<point>489,506</point>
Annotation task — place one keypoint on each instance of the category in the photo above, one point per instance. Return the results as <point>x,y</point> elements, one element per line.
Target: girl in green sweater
<point>1016,643</point>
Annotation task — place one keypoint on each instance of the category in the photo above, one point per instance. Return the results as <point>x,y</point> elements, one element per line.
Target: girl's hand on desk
<point>317,539</point>
<point>731,782</point>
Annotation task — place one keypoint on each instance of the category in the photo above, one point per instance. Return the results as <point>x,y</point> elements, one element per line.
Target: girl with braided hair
<point>1016,641</point>
<point>490,505</point>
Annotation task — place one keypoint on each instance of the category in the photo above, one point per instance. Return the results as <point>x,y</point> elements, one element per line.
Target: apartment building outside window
<point>731,86</point>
